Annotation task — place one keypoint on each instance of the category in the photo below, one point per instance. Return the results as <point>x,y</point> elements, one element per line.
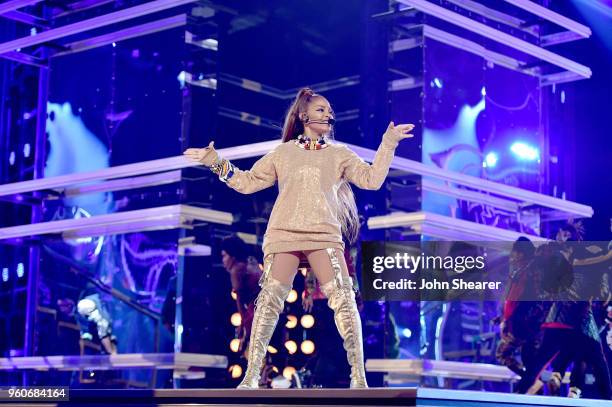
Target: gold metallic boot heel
<point>268,306</point>
<point>341,299</point>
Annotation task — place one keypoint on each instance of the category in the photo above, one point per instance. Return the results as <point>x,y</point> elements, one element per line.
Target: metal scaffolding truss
<point>570,70</point>
<point>164,171</point>
<point>445,228</point>
<point>140,220</point>
<point>13,5</point>
<point>14,49</point>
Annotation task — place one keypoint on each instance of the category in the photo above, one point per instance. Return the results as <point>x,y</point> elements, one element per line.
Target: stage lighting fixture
<point>236,319</point>
<point>491,159</point>
<point>291,321</point>
<point>307,347</point>
<point>236,371</point>
<point>272,349</point>
<point>293,295</point>
<point>5,274</point>
<point>235,344</point>
<point>524,151</point>
<point>407,333</point>
<point>20,270</point>
<point>234,295</point>
<point>307,321</point>
<point>291,346</point>
<point>288,372</point>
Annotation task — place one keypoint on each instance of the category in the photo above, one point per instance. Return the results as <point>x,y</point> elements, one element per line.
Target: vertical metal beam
<point>40,155</point>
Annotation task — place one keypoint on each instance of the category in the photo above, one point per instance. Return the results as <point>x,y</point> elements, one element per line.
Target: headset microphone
<point>331,121</point>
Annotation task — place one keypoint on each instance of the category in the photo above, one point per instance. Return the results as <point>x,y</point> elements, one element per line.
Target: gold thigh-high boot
<point>341,299</point>
<point>268,306</point>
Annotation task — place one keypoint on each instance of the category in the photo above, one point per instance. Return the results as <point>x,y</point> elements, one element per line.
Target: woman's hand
<point>394,134</point>
<point>206,156</point>
<point>307,303</point>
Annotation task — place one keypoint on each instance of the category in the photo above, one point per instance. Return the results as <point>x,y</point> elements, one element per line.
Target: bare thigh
<point>284,267</point>
<point>321,265</point>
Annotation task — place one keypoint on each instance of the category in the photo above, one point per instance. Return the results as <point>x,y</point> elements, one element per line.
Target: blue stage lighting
<point>407,333</point>
<point>491,159</point>
<point>5,274</point>
<point>182,78</point>
<point>524,151</point>
<point>20,270</point>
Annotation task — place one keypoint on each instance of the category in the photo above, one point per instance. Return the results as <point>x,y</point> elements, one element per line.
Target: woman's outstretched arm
<point>261,176</point>
<point>367,176</point>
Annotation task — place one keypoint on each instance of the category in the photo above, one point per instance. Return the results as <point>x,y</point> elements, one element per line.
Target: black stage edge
<point>311,397</point>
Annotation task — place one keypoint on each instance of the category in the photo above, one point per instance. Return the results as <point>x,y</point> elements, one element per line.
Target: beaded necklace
<point>308,144</point>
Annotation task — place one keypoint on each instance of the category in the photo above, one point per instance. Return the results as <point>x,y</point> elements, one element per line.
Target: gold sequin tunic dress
<point>305,214</point>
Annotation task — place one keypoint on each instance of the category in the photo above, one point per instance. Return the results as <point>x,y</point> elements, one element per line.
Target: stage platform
<point>312,397</point>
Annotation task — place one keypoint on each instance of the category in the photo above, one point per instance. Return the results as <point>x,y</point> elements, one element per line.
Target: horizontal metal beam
<point>498,36</point>
<point>129,170</point>
<point>326,85</point>
<point>78,6</point>
<point>16,4</point>
<point>405,84</point>
<point>120,361</point>
<point>443,188</point>
<point>442,368</point>
<point>474,48</point>
<point>559,38</point>
<point>206,43</point>
<point>92,23</point>
<point>159,218</point>
<point>246,117</point>
<point>523,197</point>
<point>26,18</point>
<point>552,16</point>
<point>445,227</point>
<point>496,15</point>
<point>125,34</point>
<point>123,184</point>
<point>24,58</point>
<point>477,49</point>
<point>287,94</point>
<point>560,77</point>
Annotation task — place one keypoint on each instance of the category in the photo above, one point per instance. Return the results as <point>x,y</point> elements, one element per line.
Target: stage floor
<point>311,397</point>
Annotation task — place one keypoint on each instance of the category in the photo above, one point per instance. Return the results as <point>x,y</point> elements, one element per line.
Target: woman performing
<point>314,208</point>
